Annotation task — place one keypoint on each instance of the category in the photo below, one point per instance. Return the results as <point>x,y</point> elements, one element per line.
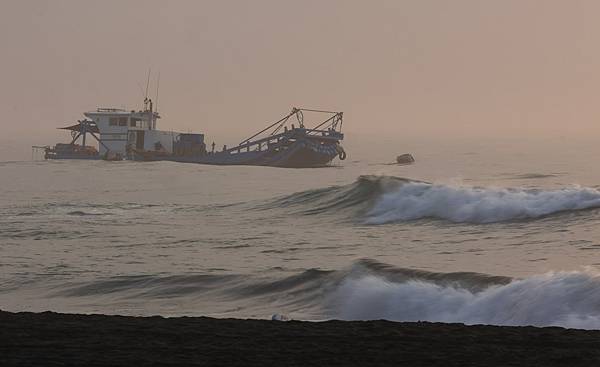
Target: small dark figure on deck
<point>213,147</point>
<point>224,147</point>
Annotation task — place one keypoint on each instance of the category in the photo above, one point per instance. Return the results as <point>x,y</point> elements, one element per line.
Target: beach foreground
<point>96,340</point>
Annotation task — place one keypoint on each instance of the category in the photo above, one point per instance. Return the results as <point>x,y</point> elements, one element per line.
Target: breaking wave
<point>477,205</point>
<point>366,290</point>
<point>356,197</point>
<point>384,199</point>
<point>567,299</point>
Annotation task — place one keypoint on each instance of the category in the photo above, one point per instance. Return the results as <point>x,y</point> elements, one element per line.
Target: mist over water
<point>464,235</point>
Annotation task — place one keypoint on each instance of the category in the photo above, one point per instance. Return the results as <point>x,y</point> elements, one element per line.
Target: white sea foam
<point>568,299</point>
<point>417,200</point>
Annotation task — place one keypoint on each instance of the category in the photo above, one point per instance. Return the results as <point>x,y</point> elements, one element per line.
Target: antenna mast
<point>157,86</point>
<point>148,83</point>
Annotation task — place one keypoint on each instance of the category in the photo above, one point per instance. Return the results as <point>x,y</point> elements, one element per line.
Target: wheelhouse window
<point>135,122</point>
<point>113,121</point>
<point>122,121</point>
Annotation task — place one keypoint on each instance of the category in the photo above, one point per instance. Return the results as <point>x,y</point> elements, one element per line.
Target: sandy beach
<point>52,339</point>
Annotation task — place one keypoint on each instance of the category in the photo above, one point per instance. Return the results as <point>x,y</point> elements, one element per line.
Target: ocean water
<point>503,233</point>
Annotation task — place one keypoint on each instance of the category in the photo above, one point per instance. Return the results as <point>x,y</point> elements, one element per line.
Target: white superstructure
<point>120,128</point>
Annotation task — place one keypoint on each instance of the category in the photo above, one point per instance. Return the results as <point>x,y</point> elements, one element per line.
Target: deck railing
<point>286,136</point>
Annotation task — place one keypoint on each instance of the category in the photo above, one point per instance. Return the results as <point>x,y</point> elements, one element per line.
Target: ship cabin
<point>121,130</point>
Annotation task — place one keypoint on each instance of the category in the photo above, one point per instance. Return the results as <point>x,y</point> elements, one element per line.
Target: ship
<point>281,144</point>
<point>132,135</point>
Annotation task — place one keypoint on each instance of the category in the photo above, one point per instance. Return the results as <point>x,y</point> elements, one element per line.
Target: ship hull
<point>71,156</point>
<point>71,151</point>
<point>301,154</point>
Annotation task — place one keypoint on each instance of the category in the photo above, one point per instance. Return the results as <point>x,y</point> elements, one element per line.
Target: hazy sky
<point>422,68</point>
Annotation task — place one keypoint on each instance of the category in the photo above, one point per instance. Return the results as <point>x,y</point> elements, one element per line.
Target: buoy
<point>341,152</point>
<point>405,159</point>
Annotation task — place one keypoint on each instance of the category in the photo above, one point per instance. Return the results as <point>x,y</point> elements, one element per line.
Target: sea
<point>501,232</point>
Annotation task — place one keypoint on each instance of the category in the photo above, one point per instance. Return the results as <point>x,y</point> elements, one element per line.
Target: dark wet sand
<point>52,339</point>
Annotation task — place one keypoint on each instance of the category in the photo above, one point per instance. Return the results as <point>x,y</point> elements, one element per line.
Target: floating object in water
<point>280,317</point>
<point>405,159</point>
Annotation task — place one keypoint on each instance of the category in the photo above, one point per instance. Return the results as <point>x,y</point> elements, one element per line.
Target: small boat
<point>405,159</point>
<point>73,150</point>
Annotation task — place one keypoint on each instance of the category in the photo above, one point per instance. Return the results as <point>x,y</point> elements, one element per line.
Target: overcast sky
<point>420,68</point>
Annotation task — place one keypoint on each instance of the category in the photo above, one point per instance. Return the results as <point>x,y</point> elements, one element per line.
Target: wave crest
<point>567,299</point>
<point>365,290</point>
<point>386,199</point>
<point>358,196</point>
<point>477,205</point>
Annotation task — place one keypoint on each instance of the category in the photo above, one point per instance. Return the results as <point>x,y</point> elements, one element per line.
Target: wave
<point>533,176</point>
<point>567,299</point>
<point>153,285</point>
<point>75,209</point>
<point>366,290</point>
<point>358,196</point>
<point>81,213</point>
<point>385,199</point>
<point>218,295</point>
<point>477,205</point>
